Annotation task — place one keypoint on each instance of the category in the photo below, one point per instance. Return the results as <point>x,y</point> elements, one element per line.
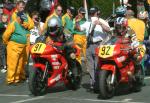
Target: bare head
<point>129,13</point>
<point>35,16</point>
<point>58,10</point>
<point>4,18</point>
<point>71,11</point>
<point>20,5</point>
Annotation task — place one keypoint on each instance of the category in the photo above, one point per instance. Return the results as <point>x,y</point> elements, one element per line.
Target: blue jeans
<point>2,55</point>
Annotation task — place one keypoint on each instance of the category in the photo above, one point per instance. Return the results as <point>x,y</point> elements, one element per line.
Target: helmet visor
<point>53,29</point>
<point>119,28</point>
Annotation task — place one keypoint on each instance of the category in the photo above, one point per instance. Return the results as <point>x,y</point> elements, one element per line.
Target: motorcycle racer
<point>122,30</point>
<point>55,35</point>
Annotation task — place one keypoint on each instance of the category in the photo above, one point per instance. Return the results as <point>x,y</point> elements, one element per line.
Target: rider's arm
<point>134,41</point>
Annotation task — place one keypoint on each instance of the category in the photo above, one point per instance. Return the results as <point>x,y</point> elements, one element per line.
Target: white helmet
<point>53,26</point>
<point>121,25</point>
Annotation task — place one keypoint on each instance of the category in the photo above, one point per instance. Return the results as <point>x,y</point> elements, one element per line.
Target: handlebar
<point>128,49</point>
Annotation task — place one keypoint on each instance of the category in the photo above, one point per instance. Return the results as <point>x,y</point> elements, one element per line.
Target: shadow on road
<point>56,89</point>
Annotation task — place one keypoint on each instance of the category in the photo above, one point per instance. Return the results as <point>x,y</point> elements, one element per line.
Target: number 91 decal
<point>38,48</point>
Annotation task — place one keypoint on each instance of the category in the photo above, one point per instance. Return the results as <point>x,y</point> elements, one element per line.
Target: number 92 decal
<point>106,51</point>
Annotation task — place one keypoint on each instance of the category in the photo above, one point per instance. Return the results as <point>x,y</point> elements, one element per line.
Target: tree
<point>104,5</point>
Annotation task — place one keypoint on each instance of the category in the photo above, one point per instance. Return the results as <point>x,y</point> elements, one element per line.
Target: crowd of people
<point>18,31</point>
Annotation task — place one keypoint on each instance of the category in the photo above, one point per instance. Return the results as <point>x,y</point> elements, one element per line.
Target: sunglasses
<point>59,10</point>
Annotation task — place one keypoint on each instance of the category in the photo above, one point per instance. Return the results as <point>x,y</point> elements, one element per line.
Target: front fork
<point>112,69</point>
<point>112,78</point>
<point>45,71</point>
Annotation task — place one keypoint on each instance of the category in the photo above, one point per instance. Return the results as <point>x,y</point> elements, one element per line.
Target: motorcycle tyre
<point>74,83</point>
<point>33,82</point>
<point>103,92</point>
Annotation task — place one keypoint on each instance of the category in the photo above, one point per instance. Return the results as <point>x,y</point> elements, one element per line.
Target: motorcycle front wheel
<point>37,86</point>
<point>106,89</point>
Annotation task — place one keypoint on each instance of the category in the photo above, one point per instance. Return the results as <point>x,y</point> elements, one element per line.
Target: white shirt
<point>35,33</point>
<point>98,31</point>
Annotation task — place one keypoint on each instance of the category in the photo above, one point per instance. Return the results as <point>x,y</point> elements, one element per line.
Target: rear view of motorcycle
<point>116,65</point>
<point>51,65</point>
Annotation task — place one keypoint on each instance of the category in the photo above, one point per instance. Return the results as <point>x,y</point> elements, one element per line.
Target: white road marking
<point>93,100</point>
<point>27,100</point>
<point>126,100</point>
<point>10,95</point>
<point>72,99</point>
<point>147,78</point>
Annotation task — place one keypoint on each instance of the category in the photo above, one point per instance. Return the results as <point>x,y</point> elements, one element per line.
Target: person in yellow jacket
<point>67,20</point>
<point>79,35</point>
<point>28,23</point>
<point>137,25</point>
<point>15,37</point>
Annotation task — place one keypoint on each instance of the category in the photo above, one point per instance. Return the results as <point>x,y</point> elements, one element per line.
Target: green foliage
<point>104,5</point>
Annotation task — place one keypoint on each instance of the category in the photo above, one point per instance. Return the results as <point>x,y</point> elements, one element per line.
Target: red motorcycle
<point>53,64</point>
<point>117,65</point>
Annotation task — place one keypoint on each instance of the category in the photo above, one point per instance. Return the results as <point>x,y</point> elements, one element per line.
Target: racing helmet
<point>54,28</point>
<point>121,10</point>
<point>121,24</point>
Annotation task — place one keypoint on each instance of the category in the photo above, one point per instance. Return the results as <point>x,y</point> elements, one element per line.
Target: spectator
<point>140,6</point>
<point>3,25</point>
<point>80,35</point>
<point>67,20</point>
<point>20,6</point>
<point>27,23</point>
<point>15,37</point>
<point>8,8</point>
<point>36,31</point>
<point>132,6</point>
<point>98,30</point>
<point>136,24</point>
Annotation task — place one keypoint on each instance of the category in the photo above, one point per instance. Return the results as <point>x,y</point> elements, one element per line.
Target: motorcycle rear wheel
<point>74,76</point>
<point>37,86</point>
<point>106,90</point>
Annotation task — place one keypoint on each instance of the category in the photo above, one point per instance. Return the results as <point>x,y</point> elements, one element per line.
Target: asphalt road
<point>59,94</point>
